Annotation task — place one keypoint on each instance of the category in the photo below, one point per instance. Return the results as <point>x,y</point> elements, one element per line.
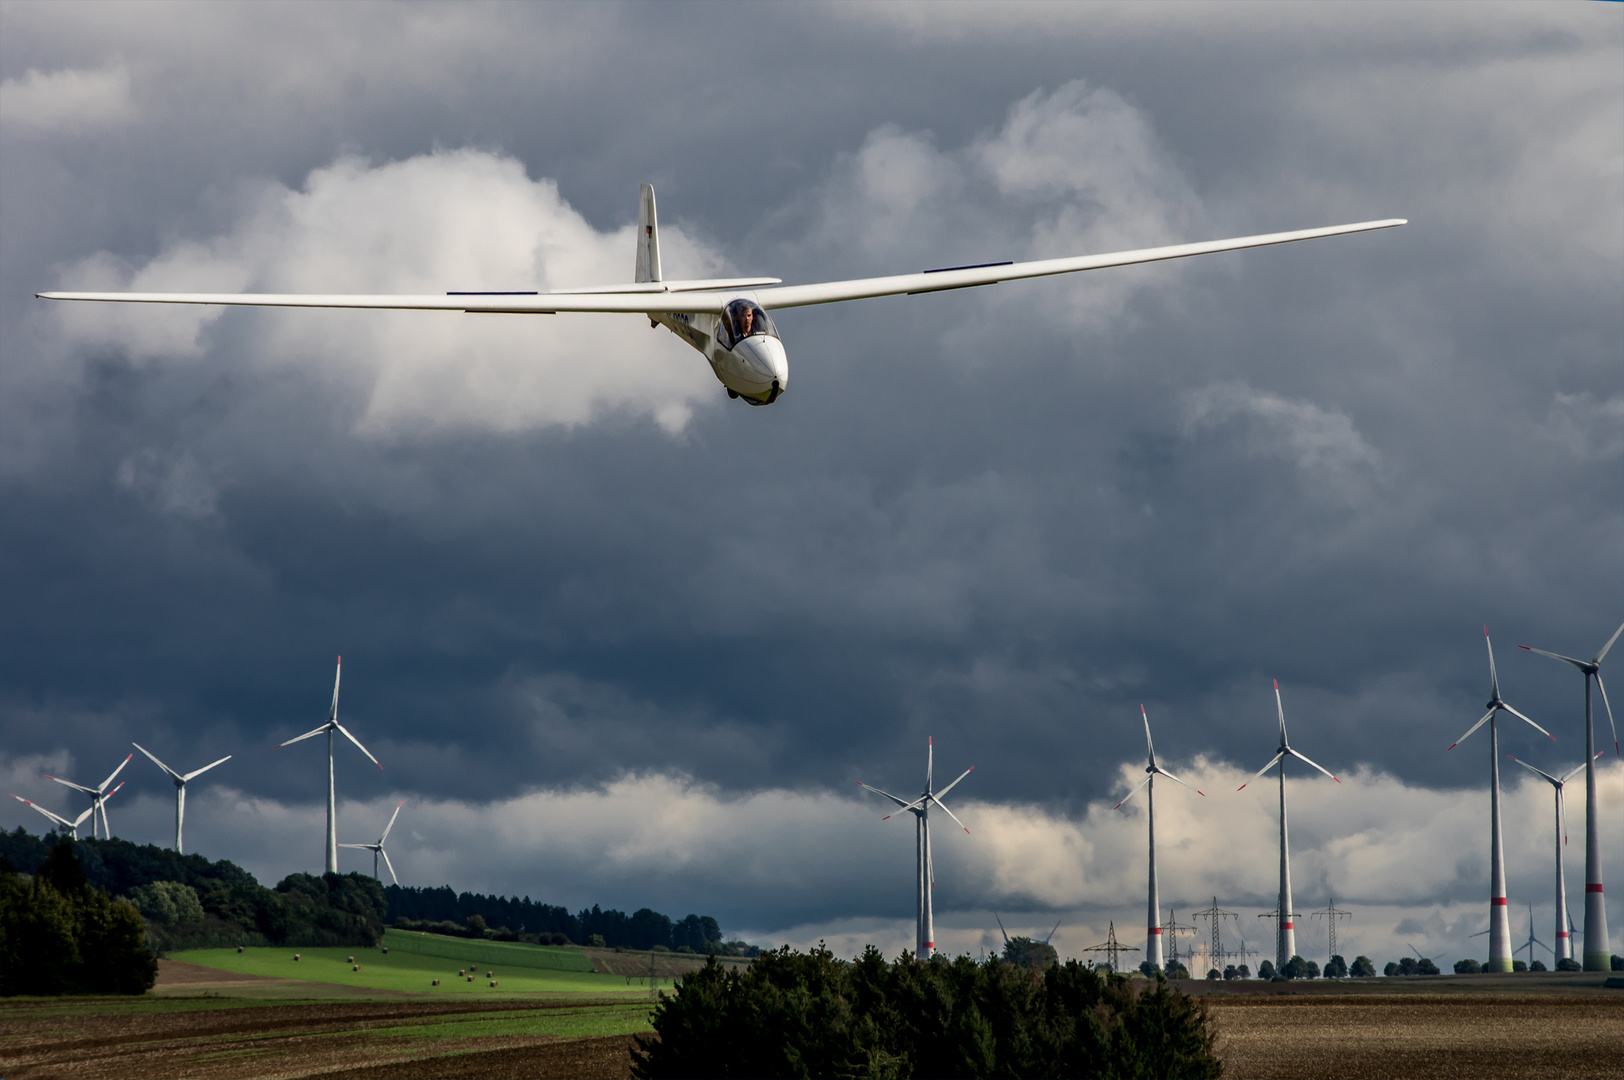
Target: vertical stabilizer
<point>648,237</point>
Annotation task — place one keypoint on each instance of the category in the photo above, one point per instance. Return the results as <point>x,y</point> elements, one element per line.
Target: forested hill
<point>642,929</point>
<point>189,901</point>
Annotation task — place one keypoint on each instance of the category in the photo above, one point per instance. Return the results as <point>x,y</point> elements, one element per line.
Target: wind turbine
<point>98,795</point>
<point>925,877</point>
<point>1285,934</point>
<point>1597,958</point>
<point>180,788</point>
<point>1153,930</point>
<point>1532,940</point>
<point>1564,946</point>
<point>377,849</point>
<point>1499,925</point>
<point>1008,944</point>
<point>64,822</point>
<point>329,727</point>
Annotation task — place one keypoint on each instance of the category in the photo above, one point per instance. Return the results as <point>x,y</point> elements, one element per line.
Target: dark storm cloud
<point>1001,517</point>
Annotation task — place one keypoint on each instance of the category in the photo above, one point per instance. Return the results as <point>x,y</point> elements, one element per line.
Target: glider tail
<point>648,237</point>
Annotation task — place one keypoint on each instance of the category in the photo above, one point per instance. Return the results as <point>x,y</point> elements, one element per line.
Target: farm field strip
<point>403,972</point>
<point>487,953</point>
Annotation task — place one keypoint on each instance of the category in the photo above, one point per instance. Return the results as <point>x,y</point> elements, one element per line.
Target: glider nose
<point>767,361</point>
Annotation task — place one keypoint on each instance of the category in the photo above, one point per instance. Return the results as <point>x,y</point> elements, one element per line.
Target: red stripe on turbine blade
<point>1593,888</point>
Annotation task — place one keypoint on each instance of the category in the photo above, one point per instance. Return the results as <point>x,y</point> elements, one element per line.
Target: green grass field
<point>488,954</point>
<point>407,971</point>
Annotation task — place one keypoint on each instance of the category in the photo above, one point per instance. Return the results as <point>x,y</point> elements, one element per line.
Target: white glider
<point>724,318</point>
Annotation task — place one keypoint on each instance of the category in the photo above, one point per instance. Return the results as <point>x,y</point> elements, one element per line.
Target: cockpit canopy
<point>741,319</point>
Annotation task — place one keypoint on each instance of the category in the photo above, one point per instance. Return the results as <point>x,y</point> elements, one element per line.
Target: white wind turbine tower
<point>1285,934</point>
<point>1564,946</point>
<point>98,795</point>
<point>377,849</point>
<point>328,728</point>
<point>1499,924</point>
<point>1153,930</point>
<point>1596,956</point>
<point>64,822</point>
<point>180,788</point>
<point>925,938</point>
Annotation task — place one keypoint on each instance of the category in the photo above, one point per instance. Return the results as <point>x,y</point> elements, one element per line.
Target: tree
<point>1336,968</point>
<point>1468,966</point>
<point>1214,975</point>
<point>794,1014</point>
<point>1519,965</point>
<point>1537,965</point>
<point>1568,963</point>
<point>1362,968</point>
<point>1425,966</point>
<point>1391,969</point>
<point>1265,970</point>
<point>1243,971</point>
<point>1298,968</point>
<point>1232,972</point>
<point>1032,955</point>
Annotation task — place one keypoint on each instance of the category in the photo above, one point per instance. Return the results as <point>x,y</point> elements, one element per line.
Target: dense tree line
<point>61,935</point>
<point>791,1014</point>
<point>188,902</point>
<point>445,909</point>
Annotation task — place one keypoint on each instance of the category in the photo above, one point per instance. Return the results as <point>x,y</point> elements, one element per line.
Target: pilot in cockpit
<point>744,317</point>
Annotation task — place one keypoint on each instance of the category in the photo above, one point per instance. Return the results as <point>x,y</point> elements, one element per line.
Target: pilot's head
<point>746,317</point>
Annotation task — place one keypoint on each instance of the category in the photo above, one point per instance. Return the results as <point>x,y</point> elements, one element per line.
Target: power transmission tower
<point>1171,929</point>
<point>1217,915</point>
<point>1111,947</point>
<point>1331,915</point>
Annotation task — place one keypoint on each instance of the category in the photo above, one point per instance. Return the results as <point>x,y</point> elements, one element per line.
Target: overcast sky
<point>619,639</point>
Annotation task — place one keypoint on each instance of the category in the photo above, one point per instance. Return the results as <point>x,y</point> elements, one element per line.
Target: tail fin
<point>648,237</point>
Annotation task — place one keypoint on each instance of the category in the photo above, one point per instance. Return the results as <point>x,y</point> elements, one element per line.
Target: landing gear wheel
<point>732,393</point>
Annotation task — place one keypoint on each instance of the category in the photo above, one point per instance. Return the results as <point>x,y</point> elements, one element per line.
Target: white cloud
<point>66,100</point>
<point>1319,442</point>
<point>451,220</point>
<point>1591,428</point>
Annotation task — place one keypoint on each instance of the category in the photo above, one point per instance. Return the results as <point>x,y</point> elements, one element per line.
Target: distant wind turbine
<point>377,849</point>
<point>180,789</point>
<point>925,876</point>
<point>1499,925</point>
<point>1285,934</point>
<point>98,795</point>
<point>328,728</point>
<point>1153,930</point>
<point>1532,940</point>
<point>1564,946</point>
<point>64,822</point>
<point>1597,957</point>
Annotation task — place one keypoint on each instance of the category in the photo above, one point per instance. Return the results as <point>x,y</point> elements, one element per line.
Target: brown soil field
<point>215,1026</point>
<point>1432,1036</point>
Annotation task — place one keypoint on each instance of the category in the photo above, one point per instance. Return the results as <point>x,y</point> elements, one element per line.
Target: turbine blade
<point>950,814</point>
<point>158,763</point>
<point>1131,794</point>
<point>206,768</point>
<point>391,824</point>
<point>78,821</point>
<point>71,784</point>
<point>115,772</point>
<point>1272,763</point>
<point>951,786</point>
<point>1608,706</point>
<point>1281,709</point>
<point>1494,679</point>
<point>930,759</point>
<point>877,791</point>
<point>1469,731</point>
<point>357,743</point>
<point>300,738</point>
<point>1562,813</point>
<point>1527,721</point>
<point>1308,761</point>
<point>1541,772</point>
<point>1001,929</point>
<point>1602,655</point>
<point>1056,927</point>
<point>1150,747</point>
<point>364,847</point>
<point>1163,772</point>
<point>1569,774</point>
<point>1580,664</point>
<point>914,806</point>
<point>338,671</point>
<point>47,813</point>
<point>389,864</point>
